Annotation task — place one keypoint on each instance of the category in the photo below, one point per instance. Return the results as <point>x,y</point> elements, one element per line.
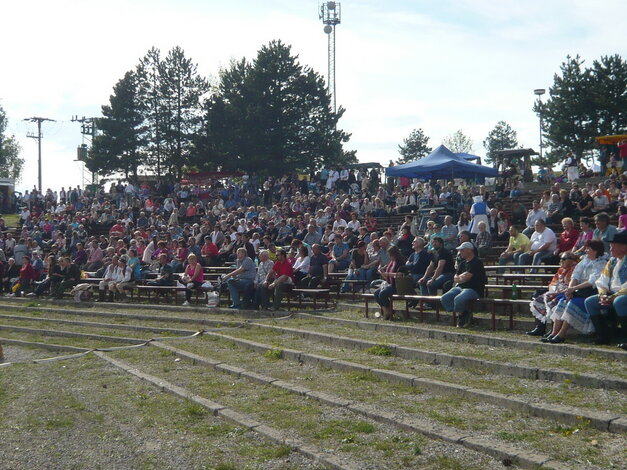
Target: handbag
<point>585,292</point>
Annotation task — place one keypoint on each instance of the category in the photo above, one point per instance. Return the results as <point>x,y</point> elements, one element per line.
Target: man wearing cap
<point>611,300</point>
<point>470,279</point>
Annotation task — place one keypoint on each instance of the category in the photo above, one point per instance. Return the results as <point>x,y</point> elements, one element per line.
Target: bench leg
<point>315,296</point>
<point>326,300</point>
<point>493,317</point>
<point>406,313</point>
<point>511,317</point>
<point>366,307</point>
<point>422,311</point>
<point>454,319</point>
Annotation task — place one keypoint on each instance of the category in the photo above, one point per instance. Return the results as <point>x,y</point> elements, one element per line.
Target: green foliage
<point>414,147</point>
<point>380,350</point>
<point>584,103</point>
<point>273,354</point>
<point>458,142</point>
<point>152,118</point>
<point>502,137</point>
<point>11,164</point>
<point>272,116</point>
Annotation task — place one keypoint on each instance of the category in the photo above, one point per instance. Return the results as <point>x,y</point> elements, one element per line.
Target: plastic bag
<point>213,299</point>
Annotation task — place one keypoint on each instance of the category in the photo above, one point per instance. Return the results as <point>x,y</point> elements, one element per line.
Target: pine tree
<point>569,115</point>
<point>272,115</point>
<point>414,147</point>
<point>609,92</point>
<point>121,142</point>
<point>11,164</point>
<point>502,137</point>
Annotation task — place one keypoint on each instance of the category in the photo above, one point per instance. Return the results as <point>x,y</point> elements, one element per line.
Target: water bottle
<point>514,292</point>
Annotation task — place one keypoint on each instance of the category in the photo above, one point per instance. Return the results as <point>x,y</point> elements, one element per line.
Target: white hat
<point>466,245</point>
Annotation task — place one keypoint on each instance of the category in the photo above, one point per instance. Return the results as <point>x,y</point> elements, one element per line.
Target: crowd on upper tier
<point>297,230</point>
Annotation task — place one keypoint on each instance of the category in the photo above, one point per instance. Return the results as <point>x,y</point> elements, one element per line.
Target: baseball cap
<point>466,245</point>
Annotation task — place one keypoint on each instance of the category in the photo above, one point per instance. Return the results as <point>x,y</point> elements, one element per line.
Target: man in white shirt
<point>536,213</point>
<point>543,244</point>
<point>339,223</point>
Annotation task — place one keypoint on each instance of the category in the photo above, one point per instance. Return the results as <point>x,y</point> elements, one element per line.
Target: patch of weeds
<point>275,354</point>
<point>165,353</point>
<point>570,430</point>
<point>209,430</point>
<point>380,350</point>
<point>194,410</point>
<point>59,422</point>
<point>33,304</point>
<point>449,419</point>
<point>363,377</point>
<point>74,404</point>
<point>225,466</point>
<point>448,463</point>
<point>344,430</point>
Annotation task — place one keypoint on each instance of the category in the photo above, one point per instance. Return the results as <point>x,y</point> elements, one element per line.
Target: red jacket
<point>567,240</point>
<point>28,272</point>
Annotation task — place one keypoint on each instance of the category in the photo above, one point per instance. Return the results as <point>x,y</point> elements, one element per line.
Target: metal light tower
<point>539,92</point>
<point>331,16</point>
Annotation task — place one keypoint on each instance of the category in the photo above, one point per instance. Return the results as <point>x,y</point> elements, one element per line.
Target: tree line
<point>270,116</point>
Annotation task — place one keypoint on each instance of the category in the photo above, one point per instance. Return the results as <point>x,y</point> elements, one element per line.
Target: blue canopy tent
<point>441,164</point>
<point>469,157</point>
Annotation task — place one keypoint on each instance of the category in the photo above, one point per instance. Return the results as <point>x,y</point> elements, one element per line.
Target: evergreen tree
<point>11,164</point>
<point>181,90</point>
<point>121,142</point>
<point>458,142</point>
<point>272,115</point>
<point>609,92</point>
<point>569,115</point>
<point>414,147</point>
<point>502,137</point>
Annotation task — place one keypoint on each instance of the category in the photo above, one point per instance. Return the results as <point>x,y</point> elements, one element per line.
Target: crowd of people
<point>296,231</point>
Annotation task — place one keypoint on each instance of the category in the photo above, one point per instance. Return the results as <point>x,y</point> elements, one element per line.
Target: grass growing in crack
<point>380,350</point>
<point>194,410</point>
<point>275,354</point>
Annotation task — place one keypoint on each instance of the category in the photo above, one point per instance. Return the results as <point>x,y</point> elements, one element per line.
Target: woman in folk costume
<point>543,306</point>
<point>479,212</point>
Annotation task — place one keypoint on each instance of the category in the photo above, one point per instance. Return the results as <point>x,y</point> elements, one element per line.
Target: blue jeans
<point>525,259</point>
<point>619,305</point>
<point>456,299</point>
<point>240,285</point>
<point>382,296</point>
<point>437,284</point>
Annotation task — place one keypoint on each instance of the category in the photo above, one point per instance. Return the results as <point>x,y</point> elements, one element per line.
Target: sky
<point>437,65</point>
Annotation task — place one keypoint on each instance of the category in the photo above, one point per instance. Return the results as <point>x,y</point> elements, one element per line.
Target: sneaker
<point>464,320</point>
<point>186,304</point>
<point>234,307</point>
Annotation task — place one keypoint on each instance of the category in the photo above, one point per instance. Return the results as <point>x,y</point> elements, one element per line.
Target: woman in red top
<point>209,252</point>
<point>193,277</point>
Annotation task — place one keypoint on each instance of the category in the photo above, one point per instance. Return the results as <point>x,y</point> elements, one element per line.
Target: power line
<point>38,136</point>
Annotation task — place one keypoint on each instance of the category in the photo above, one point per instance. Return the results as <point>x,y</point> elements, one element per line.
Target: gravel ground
<point>16,354</point>
<point>84,414</point>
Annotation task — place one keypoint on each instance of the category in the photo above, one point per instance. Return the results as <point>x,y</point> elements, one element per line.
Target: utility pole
<point>331,15</point>
<point>88,128</point>
<point>39,136</point>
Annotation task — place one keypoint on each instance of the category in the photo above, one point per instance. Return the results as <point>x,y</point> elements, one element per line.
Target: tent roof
<point>610,139</point>
<point>441,163</point>
<point>468,156</point>
<point>515,152</point>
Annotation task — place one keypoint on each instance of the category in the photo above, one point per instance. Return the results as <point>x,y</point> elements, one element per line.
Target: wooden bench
<point>167,290</point>
<point>408,298</point>
<point>315,294</point>
<point>523,278</point>
<point>508,304</point>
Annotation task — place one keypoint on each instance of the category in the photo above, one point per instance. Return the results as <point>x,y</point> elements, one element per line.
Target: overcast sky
<point>436,65</point>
